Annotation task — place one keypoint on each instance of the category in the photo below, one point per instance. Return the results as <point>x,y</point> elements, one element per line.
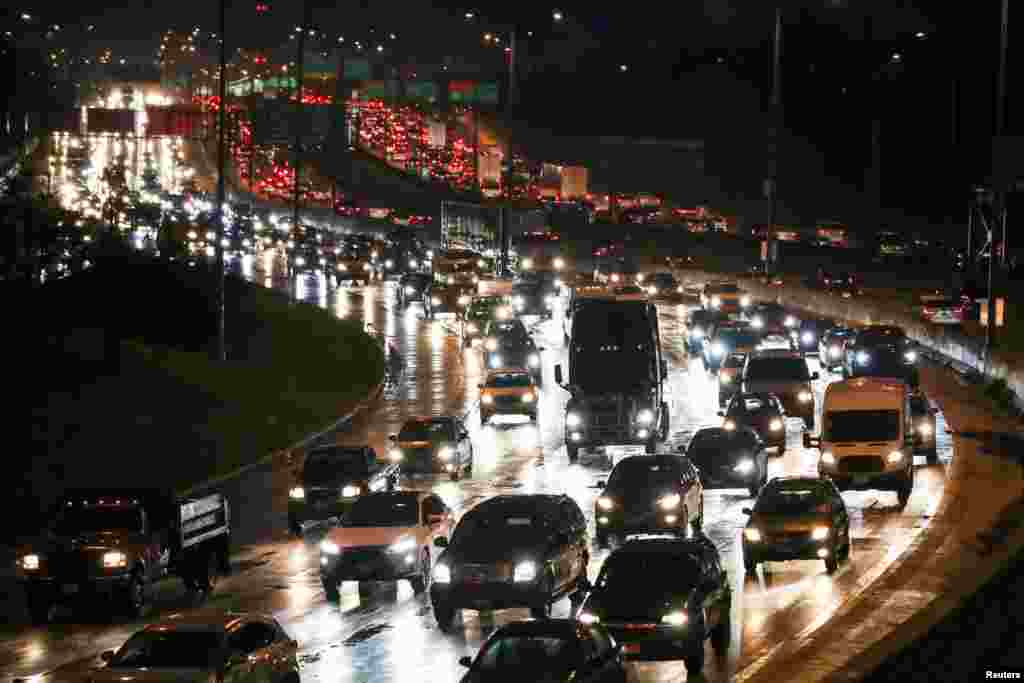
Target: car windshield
<point>512,527</point>
<point>736,360</point>
<point>713,442</point>
<point>424,431</point>
<point>508,380</point>
<point>655,571</point>
<point>613,347</point>
<point>172,649</point>
<point>631,475</point>
<point>529,658</point>
<point>862,425</point>
<point>751,405</point>
<point>388,509</point>
<point>738,337</point>
<point>75,521</point>
<point>323,466</point>
<point>790,500</point>
<point>777,370</point>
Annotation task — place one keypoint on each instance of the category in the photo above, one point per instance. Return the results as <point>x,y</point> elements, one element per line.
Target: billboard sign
<point>357,69</point>
<point>110,121</point>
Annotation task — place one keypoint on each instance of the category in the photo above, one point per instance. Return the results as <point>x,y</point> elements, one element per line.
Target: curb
<point>370,399</point>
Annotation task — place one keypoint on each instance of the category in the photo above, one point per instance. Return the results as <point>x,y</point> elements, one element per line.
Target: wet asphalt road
<point>388,634</point>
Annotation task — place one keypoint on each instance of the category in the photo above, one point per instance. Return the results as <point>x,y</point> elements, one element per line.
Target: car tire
<point>721,634</point>
<point>573,452</point>
<point>931,456</point>
<point>445,617</point>
<point>331,591</point>
<point>420,582</point>
<point>694,664</point>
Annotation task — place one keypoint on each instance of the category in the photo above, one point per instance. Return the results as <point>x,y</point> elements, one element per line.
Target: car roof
<point>203,620</point>
<point>516,502</point>
<point>662,543</point>
<point>758,395</point>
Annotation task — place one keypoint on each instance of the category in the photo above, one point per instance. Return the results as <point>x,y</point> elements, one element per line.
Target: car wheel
<point>135,596</point>
<point>445,616</point>
<point>331,591</point>
<point>422,580</point>
<point>573,452</point>
<point>722,633</point>
<point>694,664</point>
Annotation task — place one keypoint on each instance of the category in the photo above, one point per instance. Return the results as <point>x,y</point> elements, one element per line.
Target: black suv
<point>763,413</point>
<point>650,493</point>
<point>512,551</point>
<point>507,344</point>
<point>729,458</point>
<point>662,598</point>
<point>414,287</point>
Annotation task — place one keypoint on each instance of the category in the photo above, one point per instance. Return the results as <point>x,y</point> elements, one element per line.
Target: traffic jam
<point>679,448</point>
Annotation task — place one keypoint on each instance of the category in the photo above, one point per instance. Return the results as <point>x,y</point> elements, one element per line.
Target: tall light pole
<point>297,198</point>
<point>775,120</point>
<point>999,215</point>
<point>221,162</point>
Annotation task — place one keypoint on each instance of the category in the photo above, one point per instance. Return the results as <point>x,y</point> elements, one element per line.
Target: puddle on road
<point>364,634</point>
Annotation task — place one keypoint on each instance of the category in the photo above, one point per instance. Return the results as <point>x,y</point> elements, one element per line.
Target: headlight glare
<point>329,548</point>
<point>729,425</point>
<point>605,503</point>
<point>491,344</point>
<point>752,535</point>
<point>30,562</point>
<point>717,349</point>
<point>442,574</point>
<point>589,618</point>
<point>820,533</point>
<point>402,545</point>
<point>670,502</point>
<point>827,458</point>
<point>487,399</point>
<point>674,619</point>
<point>895,457</point>
<point>573,420</point>
<point>744,301</point>
<point>805,397</point>
<point>534,360</point>
<point>525,572</point>
<point>925,429</point>
<point>775,425</point>
<point>297,493</point>
<point>807,338</point>
<point>834,351</point>
<point>410,290</point>
<point>645,416</point>
<point>114,558</point>
<point>744,466</point>
<point>350,491</point>
<point>435,300</point>
<point>395,454</point>
<point>445,453</point>
<point>528,398</point>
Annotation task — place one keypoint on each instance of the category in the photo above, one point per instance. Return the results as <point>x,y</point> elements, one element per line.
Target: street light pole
<point>297,197</point>
<point>775,117</point>
<point>221,161</point>
<point>999,215</point>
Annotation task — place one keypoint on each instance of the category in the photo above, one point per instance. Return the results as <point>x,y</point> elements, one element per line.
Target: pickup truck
<point>116,543</point>
<point>331,478</point>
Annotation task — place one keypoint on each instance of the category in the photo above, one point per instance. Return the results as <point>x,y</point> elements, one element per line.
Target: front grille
<point>507,400</point>
<point>480,573</point>
<point>604,420</point>
<point>315,496</point>
<point>419,455</point>
<point>75,566</point>
<point>789,536</point>
<point>861,463</point>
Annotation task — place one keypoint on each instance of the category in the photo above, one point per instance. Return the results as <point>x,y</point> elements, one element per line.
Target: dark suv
<point>650,493</point>
<point>512,551</point>
<point>662,598</point>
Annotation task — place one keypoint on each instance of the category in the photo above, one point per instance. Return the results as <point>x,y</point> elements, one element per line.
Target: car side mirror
<point>815,375</point>
<point>558,374</point>
<point>721,413</point>
<point>107,656</point>
<point>441,542</point>
<point>466,661</point>
<point>393,437</point>
<point>747,511</point>
<point>601,483</point>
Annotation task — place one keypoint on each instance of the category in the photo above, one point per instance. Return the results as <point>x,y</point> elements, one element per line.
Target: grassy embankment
<point>142,403</point>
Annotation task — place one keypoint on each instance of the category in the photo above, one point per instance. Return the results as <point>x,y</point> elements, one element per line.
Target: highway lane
<point>390,635</point>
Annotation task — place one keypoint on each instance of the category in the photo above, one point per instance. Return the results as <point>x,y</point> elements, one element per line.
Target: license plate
<point>69,588</point>
<point>625,450</point>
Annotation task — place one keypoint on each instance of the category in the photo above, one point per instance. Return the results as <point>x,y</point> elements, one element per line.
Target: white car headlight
<point>402,545</point>
<point>744,466</point>
<point>745,301</point>
<point>114,558</point>
<point>445,453</point>
<point>442,574</point>
<point>413,264</point>
<point>790,321</point>
<point>588,618</point>
<point>820,533</point>
<point>329,547</point>
<point>573,420</point>
<point>30,562</point>
<point>716,301</point>
<point>652,290</point>
<point>389,264</point>
<point>481,263</point>
<point>524,572</point>
<point>895,457</point>
<point>753,535</point>
<point>805,397</point>
<point>300,261</point>
<point>605,503</point>
<point>674,619</point>
<point>775,425</point>
<point>409,289</point>
<point>351,491</point>
<point>463,300</point>
<point>910,356</point>
<point>807,337</point>
<point>527,263</point>
<point>487,399</point>
<point>533,360</point>
<point>495,362</point>
<point>697,333</point>
<point>395,454</point>
<point>645,416</point>
<point>679,290</point>
<point>297,493</point>
<point>344,268</point>
<point>366,267</point>
<point>669,502</point>
<point>863,358</point>
<point>528,398</point>
<point>834,351</point>
<point>729,425</point>
<point>559,263</point>
<point>435,300</point>
<point>717,349</point>
<point>757,323</point>
<point>725,378</point>
<point>451,280</point>
<point>925,429</point>
<point>491,344</point>
<point>827,458</point>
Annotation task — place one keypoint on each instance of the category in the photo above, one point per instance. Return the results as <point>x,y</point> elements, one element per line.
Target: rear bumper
<point>486,596</point>
<point>780,551</point>
<point>661,642</point>
<point>62,590</point>
<point>891,480</point>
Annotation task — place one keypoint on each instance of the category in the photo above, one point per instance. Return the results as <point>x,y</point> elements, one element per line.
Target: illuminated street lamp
<point>557,15</point>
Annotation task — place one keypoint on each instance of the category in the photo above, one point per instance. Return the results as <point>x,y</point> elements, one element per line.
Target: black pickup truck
<point>115,543</point>
<point>331,478</point>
